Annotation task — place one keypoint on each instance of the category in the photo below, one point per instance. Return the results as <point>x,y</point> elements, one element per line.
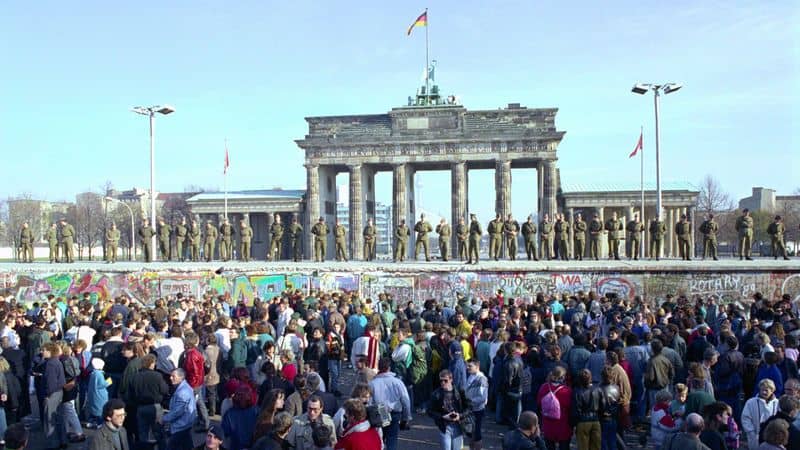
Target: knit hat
<point>98,363</point>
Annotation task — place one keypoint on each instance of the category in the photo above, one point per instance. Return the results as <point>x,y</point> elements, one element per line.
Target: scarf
<point>373,352</point>
<point>358,428</point>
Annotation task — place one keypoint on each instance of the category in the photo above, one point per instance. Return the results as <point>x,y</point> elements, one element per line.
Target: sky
<point>250,71</point>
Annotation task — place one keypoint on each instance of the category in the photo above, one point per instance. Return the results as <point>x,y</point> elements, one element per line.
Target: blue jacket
<point>239,425</point>
<point>773,373</point>
<point>96,393</point>
<point>182,408</point>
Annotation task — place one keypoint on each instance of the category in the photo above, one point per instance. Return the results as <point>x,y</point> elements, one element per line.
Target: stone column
<point>571,221</point>
<point>312,206</point>
<point>603,237</point>
<point>549,189</point>
<point>502,194</point>
<point>539,188</point>
<point>458,200</point>
<point>400,203</point>
<point>356,214</point>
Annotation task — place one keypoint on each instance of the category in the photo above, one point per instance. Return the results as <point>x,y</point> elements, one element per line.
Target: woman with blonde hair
<point>757,410</point>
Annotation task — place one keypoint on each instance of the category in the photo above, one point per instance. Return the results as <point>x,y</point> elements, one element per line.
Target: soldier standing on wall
<point>462,235</point>
<point>194,241</point>
<point>546,234</point>
<point>401,234</point>
<point>340,235</point>
<point>529,233</point>
<point>164,230</point>
<point>443,230</point>
<point>146,234</point>
<point>614,228</point>
<point>112,242</point>
<point>511,230</point>
<point>562,236</point>
<point>276,240</point>
<point>369,241</point>
<point>246,236</point>
<point>595,234</point>
<point>657,231</point>
<point>635,229</point>
<point>579,228</point>
<point>296,239</point>
<point>475,233</point>
<point>422,229</point>
<point>52,242</point>
<point>744,226</point>
<point>684,231</point>
<point>26,243</point>
<point>320,231</point>
<point>495,231</point>
<point>211,241</point>
<point>776,230</point>
<point>180,237</point>
<point>709,228</point>
<point>226,240</point>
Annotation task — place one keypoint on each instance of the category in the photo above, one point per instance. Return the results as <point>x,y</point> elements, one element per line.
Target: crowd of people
<point>681,372</point>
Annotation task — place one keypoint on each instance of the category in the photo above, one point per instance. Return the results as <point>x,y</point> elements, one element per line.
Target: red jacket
<point>194,365</point>
<point>557,429</point>
<point>360,437</point>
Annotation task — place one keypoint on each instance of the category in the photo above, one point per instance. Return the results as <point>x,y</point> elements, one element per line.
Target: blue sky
<point>251,71</point>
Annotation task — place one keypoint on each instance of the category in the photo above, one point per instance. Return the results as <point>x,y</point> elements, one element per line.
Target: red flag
<point>638,146</point>
<point>227,161</point>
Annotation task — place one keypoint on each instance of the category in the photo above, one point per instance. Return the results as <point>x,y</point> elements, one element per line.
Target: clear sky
<point>252,70</point>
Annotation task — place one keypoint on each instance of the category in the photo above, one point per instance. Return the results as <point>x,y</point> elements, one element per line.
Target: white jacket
<point>756,411</point>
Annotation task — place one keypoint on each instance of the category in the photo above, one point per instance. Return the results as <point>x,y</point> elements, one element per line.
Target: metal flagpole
<point>641,213</point>
<point>427,63</point>
<point>225,178</point>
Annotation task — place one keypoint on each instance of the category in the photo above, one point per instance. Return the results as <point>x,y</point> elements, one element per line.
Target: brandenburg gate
<point>434,136</point>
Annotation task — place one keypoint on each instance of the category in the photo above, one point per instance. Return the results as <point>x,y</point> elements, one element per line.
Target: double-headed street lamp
<point>151,112</point>
<point>133,224</point>
<point>668,88</point>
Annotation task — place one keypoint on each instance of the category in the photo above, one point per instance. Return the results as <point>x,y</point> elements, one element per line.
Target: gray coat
<point>104,439</point>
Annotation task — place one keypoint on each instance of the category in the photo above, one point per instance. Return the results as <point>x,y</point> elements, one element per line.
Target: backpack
<point>419,365</point>
<point>379,416</point>
<point>551,406</point>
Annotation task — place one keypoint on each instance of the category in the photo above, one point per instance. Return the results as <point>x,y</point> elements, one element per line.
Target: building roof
<point>249,195</point>
<point>620,186</point>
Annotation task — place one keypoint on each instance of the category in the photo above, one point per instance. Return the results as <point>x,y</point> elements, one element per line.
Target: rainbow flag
<point>422,21</point>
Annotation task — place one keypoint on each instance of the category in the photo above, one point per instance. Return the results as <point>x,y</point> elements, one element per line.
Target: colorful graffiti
<point>147,286</point>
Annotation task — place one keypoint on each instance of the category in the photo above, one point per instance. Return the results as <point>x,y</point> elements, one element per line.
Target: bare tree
<point>23,209</point>
<point>120,215</point>
<point>712,198</point>
<point>89,221</point>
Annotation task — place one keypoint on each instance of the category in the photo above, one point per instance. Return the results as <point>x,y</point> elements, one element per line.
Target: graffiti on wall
<point>147,286</point>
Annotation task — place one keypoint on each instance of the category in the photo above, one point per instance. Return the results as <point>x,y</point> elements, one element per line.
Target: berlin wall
<point>146,286</point>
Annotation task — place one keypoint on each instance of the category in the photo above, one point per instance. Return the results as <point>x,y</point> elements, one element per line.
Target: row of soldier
<point>546,240</point>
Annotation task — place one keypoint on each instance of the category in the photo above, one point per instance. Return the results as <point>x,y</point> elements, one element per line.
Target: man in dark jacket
<point>149,389</point>
<point>587,404</point>
<point>512,383</point>
<point>276,439</point>
<point>525,437</point>
<point>53,383</point>
<point>112,435</point>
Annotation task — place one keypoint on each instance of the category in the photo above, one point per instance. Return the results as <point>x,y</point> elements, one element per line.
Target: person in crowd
<point>112,435</point>
<point>16,437</point>
<point>757,410</point>
<point>610,410</point>
<point>448,408</point>
<point>239,422</point>
<point>688,439</point>
<point>555,400</point>
<point>587,405</point>
<point>526,436</point>
<point>662,423</point>
<point>358,435</point>
<point>272,404</point>
<point>213,440</point>
<point>276,438</point>
<point>389,390</point>
<point>182,413</point>
<point>776,436</point>
<point>300,436</point>
<point>477,393</point>
<point>788,407</point>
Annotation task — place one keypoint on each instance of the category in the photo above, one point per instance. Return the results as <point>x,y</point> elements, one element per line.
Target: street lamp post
<point>151,112</point>
<point>668,88</point>
<point>133,230</point>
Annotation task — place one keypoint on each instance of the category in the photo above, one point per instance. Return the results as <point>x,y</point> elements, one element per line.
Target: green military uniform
<point>401,234</point>
<point>246,237</point>
<point>52,242</point>
<point>146,234</point>
<point>320,231</point>
<point>164,231</point>
<point>26,242</point>
<point>511,231</point>
<point>657,231</point>
<point>180,237</point>
<point>275,242</point>
<point>595,234</point>
<point>776,230</point>
<point>226,241</point>
<point>210,242</point>
<point>495,231</point>
<point>340,235</point>
<point>462,235</point>
<point>112,243</point>
<point>67,239</point>
<point>684,231</point>
<point>744,226</point>
<point>369,242</point>
<point>614,228</point>
<point>422,228</point>
<point>562,234</point>
<point>579,231</point>
<point>475,233</point>
<point>635,230</point>
<point>546,235</point>
<point>529,233</point>
<point>296,240</point>
<point>194,241</point>
<point>709,228</point>
<point>444,232</point>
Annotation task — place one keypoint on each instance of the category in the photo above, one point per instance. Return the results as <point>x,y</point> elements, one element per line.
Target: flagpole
<point>427,63</point>
<point>225,178</point>
<point>641,215</point>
